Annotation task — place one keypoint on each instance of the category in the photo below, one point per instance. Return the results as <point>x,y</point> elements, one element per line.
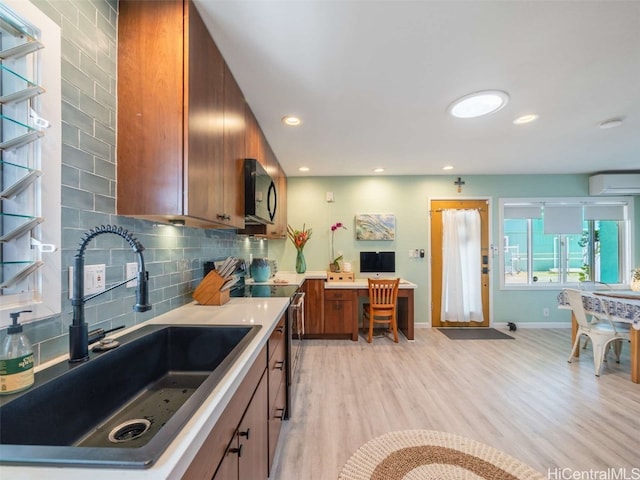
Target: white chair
<point>602,333</point>
<point>592,286</point>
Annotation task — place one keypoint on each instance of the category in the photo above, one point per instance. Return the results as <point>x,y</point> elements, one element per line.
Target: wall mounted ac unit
<point>614,184</point>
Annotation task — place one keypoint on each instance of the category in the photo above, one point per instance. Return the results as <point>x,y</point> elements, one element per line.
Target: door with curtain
<point>461,281</point>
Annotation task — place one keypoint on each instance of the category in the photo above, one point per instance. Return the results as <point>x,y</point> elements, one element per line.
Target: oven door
<point>294,335</point>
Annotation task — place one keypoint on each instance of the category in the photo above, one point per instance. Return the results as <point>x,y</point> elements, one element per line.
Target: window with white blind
<point>564,241</point>
<point>30,146</point>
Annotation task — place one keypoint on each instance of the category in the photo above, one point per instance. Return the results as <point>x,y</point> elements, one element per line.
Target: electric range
<point>253,290</point>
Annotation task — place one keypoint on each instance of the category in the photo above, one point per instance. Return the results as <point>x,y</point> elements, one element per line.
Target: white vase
<point>635,285</point>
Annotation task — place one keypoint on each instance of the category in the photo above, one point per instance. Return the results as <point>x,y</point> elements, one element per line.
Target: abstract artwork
<point>375,226</point>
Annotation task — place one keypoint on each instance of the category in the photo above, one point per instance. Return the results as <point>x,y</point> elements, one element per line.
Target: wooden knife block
<point>208,292</point>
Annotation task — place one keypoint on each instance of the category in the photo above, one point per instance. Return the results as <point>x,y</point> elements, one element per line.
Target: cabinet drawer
<point>277,337</point>
<point>277,371</point>
<point>335,294</point>
<point>276,416</point>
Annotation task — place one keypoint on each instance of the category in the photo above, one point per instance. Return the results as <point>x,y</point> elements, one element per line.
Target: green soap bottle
<point>16,359</point>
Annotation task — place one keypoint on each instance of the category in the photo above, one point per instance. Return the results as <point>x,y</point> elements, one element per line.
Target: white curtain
<point>461,274</point>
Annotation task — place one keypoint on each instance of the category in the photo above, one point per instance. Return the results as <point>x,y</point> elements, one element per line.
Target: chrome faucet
<point>79,330</point>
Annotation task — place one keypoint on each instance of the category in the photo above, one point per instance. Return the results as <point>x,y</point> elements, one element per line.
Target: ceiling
<point>372,81</point>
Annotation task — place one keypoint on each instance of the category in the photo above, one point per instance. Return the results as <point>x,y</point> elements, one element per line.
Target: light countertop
<point>289,278</point>
<point>292,278</point>
<point>176,458</point>
<point>363,283</point>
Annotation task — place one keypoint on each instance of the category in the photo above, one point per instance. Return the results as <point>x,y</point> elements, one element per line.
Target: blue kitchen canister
<point>260,269</point>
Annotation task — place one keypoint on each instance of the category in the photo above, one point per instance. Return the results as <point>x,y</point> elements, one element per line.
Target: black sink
<point>122,408</point>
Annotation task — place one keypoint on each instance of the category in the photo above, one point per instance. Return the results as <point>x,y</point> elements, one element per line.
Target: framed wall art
<point>375,226</point>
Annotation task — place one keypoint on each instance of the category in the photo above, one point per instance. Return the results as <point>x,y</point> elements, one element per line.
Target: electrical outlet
<point>94,279</point>
<point>545,312</point>
<point>131,271</point>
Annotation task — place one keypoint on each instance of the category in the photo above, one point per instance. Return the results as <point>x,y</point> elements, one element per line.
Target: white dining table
<point>623,306</point>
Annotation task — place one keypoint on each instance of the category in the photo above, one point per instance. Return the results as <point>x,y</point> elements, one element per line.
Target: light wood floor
<point>520,396</point>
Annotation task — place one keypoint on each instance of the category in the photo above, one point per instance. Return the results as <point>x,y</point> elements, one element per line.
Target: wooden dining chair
<point>383,295</point>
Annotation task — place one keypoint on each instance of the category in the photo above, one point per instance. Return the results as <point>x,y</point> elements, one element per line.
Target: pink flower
<point>335,227</point>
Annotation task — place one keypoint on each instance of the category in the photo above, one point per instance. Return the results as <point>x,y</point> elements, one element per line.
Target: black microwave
<point>260,195</point>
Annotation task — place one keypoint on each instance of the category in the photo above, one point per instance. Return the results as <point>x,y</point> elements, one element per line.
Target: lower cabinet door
<point>276,417</point>
<point>253,436</point>
<point>338,316</point>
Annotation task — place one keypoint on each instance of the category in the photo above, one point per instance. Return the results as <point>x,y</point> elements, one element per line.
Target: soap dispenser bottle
<point>16,359</point>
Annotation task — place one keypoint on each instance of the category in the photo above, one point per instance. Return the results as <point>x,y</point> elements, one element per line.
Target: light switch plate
<point>132,271</point>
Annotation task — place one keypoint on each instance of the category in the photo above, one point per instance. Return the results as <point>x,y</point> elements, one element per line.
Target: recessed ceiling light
<point>291,120</point>
<point>378,170</point>
<point>303,169</point>
<point>611,123</point>
<point>479,104</point>
<point>531,117</point>
<point>448,167</point>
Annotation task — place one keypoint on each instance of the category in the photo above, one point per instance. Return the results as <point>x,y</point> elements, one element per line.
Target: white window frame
<point>45,298</point>
<point>626,233</point>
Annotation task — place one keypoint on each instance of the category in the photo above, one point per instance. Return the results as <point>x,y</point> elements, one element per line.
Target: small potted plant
<point>334,266</point>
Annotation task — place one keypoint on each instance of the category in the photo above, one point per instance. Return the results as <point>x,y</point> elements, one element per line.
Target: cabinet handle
<point>237,450</point>
<point>223,216</point>
<point>245,433</point>
<point>280,329</point>
<point>280,414</point>
<point>279,365</point>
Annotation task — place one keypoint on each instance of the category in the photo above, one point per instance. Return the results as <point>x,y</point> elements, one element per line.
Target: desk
<point>405,313</point>
<point>625,307</point>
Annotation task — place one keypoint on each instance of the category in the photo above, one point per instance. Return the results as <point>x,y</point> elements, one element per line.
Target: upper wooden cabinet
<point>254,139</point>
<point>232,200</point>
<point>180,119</point>
<point>258,147</point>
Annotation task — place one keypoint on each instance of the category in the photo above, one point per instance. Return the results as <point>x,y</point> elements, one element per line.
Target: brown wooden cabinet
<point>246,456</point>
<point>313,307</point>
<point>277,373</point>
<point>231,211</point>
<point>338,312</point>
<point>254,138</point>
<point>227,452</point>
<point>177,141</point>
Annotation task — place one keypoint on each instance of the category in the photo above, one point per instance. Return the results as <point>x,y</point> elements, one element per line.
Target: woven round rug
<point>432,455</point>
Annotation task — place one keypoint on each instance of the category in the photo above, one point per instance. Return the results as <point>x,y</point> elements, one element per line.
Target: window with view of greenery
<point>592,247</point>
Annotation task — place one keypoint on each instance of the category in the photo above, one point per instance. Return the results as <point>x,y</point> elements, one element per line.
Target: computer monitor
<point>377,262</point>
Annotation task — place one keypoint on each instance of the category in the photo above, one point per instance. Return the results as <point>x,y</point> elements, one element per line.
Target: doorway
<point>436,209</point>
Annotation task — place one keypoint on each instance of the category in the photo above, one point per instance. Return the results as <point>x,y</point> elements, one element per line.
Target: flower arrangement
<point>334,265</point>
<point>299,237</point>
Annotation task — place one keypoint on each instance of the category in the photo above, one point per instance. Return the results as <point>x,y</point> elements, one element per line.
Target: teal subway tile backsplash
<point>72,156</point>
